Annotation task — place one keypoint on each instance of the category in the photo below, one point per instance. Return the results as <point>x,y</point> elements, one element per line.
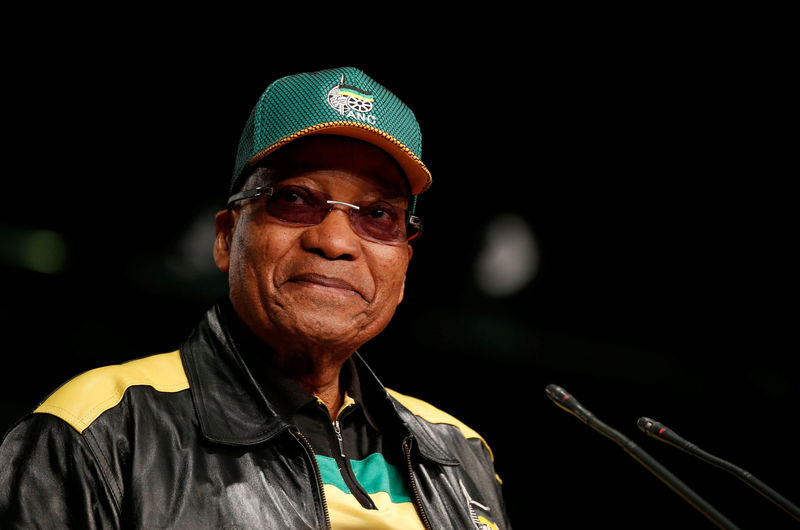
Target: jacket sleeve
<point>50,478</point>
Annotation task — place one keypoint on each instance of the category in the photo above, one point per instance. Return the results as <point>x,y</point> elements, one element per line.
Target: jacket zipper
<point>345,469</point>
<point>338,431</point>
<point>312,455</point>
<point>425,521</point>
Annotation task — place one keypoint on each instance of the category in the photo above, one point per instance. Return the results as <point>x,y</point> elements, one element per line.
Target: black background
<point>650,164</point>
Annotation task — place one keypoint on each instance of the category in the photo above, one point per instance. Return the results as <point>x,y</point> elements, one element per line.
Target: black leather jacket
<point>197,445</point>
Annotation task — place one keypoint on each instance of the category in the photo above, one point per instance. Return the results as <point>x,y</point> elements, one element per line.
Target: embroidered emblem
<point>478,512</point>
<point>352,102</point>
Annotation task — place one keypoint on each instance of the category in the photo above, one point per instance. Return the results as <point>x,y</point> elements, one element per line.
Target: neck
<point>326,387</point>
<point>314,366</point>
<point>318,373</point>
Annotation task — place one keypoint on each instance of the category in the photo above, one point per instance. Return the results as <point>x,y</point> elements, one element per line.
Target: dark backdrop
<point>646,165</point>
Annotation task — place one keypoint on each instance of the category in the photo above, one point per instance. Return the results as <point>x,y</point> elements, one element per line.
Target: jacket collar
<point>232,409</point>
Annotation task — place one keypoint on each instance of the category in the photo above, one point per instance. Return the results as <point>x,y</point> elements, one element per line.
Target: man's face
<point>301,287</point>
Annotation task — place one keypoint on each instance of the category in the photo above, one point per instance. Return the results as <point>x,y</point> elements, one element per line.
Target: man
<point>266,417</point>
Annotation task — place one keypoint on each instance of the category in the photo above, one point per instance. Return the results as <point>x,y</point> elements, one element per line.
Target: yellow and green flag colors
<point>383,483</point>
<point>346,90</point>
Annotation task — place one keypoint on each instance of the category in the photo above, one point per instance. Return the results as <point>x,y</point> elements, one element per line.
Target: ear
<point>224,222</point>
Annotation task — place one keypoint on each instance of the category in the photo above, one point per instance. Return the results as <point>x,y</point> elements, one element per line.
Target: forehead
<point>327,152</point>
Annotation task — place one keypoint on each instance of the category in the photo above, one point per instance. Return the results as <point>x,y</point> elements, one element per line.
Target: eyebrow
<point>267,175</point>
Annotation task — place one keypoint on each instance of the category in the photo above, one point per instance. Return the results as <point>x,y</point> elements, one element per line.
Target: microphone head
<point>564,399</point>
<point>649,426</point>
<point>645,424</point>
<point>661,432</point>
<point>556,393</point>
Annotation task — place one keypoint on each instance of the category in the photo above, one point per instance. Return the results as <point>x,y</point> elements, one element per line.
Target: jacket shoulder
<point>431,414</point>
<point>83,399</point>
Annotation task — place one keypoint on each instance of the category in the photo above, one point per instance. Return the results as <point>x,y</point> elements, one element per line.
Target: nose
<point>334,237</point>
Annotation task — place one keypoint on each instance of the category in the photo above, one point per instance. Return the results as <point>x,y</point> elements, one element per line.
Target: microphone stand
<point>660,432</point>
<point>565,401</point>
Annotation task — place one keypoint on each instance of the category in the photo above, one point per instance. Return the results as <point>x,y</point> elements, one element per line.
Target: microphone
<point>660,432</point>
<point>566,401</point>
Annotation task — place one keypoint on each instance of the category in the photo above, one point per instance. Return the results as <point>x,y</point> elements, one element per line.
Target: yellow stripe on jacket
<point>431,414</point>
<point>81,400</point>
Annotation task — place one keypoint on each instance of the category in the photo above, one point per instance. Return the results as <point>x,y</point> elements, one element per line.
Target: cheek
<point>390,282</point>
<point>392,277</point>
<point>241,255</point>
<point>254,254</point>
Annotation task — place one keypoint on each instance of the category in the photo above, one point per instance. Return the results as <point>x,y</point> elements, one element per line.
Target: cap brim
<point>418,175</point>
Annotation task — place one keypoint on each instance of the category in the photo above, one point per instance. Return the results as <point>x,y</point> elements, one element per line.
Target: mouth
<point>333,285</point>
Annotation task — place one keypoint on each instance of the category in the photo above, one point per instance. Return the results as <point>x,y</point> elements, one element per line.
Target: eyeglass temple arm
<point>249,194</point>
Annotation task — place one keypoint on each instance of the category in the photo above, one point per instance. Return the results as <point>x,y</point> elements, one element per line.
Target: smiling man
<point>267,417</point>
<point>316,293</point>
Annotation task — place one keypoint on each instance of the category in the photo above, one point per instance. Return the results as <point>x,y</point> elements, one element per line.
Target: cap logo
<point>352,102</point>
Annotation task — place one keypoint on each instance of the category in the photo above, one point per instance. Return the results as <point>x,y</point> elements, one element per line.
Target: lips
<point>313,279</point>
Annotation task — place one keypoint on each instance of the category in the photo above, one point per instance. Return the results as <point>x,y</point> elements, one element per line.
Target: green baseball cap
<point>340,101</point>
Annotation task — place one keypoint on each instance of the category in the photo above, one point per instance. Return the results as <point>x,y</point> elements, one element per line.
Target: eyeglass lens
<point>376,220</point>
